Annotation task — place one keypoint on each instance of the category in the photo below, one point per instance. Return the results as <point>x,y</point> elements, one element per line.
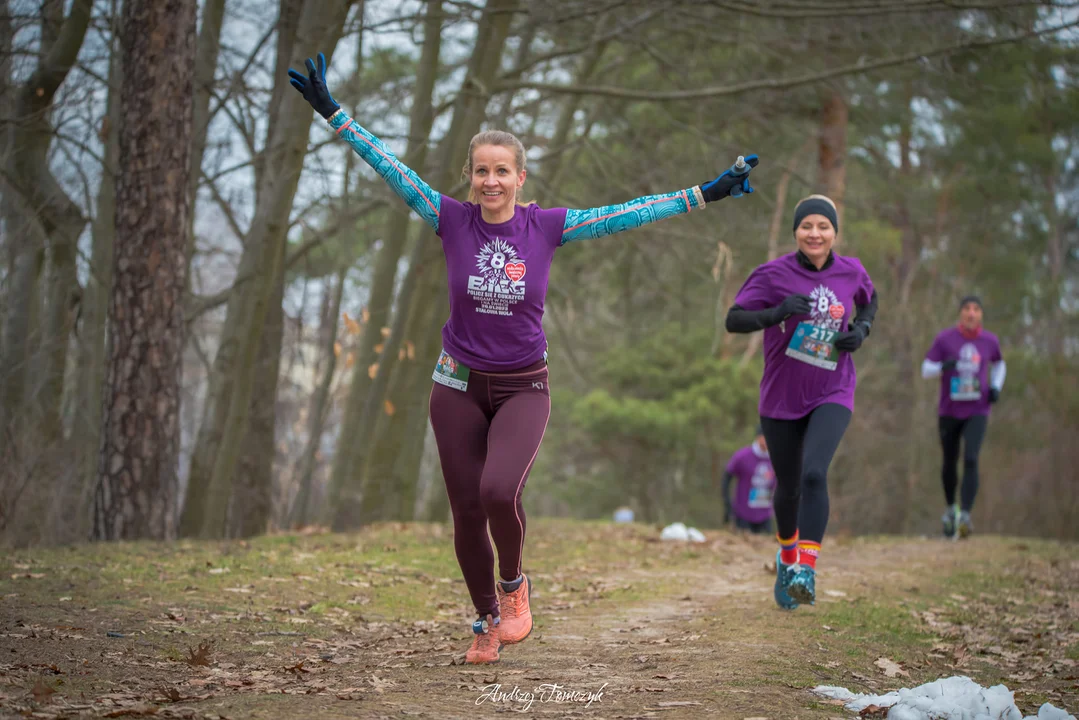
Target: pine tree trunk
<point>136,493</point>
<point>832,180</point>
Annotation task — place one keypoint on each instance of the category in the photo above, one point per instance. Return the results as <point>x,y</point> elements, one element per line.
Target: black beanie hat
<point>815,206</point>
<point>971,299</point>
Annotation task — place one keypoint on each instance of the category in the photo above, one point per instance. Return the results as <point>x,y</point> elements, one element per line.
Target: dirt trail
<point>704,639</point>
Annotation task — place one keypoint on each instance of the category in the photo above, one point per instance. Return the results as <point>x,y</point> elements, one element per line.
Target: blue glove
<point>994,395</point>
<point>733,182</point>
<point>313,87</point>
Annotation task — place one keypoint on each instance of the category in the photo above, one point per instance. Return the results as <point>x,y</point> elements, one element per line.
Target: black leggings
<point>971,431</point>
<point>801,451</point>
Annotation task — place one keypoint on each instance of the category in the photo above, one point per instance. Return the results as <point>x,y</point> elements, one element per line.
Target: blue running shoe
<point>802,585</point>
<point>783,576</point>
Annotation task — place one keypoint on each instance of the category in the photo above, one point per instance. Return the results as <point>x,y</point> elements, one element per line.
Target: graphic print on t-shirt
<point>813,341</point>
<point>965,384</point>
<point>827,311</point>
<point>500,284</point>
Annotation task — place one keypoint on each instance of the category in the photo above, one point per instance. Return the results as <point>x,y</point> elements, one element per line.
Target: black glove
<point>733,182</point>
<point>792,305</point>
<point>948,365</point>
<point>994,395</point>
<point>313,87</point>
<point>852,339</point>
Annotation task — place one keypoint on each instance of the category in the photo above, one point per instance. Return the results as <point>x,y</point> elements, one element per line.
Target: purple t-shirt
<point>964,391</point>
<point>756,484</point>
<point>801,371</point>
<point>497,277</point>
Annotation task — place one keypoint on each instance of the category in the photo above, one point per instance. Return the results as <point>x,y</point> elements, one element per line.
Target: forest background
<point>311,304</point>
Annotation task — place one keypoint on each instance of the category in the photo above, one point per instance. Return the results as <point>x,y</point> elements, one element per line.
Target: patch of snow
<point>678,531</point>
<point>954,698</point>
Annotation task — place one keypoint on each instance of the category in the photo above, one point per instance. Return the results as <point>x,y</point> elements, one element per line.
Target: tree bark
<point>832,180</point>
<point>136,493</point>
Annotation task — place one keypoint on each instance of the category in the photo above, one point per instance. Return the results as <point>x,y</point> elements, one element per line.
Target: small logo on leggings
<point>537,385</point>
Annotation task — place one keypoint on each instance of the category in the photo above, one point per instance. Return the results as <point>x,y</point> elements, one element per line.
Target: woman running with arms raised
<point>490,402</point>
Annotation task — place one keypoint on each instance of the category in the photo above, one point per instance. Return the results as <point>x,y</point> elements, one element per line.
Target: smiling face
<point>815,236</point>
<point>495,181</point>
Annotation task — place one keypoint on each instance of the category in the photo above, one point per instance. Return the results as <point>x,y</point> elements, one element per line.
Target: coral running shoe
<point>516,622</point>
<point>486,642</point>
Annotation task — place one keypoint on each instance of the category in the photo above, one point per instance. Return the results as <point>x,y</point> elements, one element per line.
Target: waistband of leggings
<point>533,369</point>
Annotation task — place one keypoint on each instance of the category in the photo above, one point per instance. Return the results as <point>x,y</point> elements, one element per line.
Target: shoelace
<point>511,603</point>
<point>485,640</point>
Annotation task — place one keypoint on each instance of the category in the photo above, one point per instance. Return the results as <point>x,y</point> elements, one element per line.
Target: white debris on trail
<point>678,531</point>
<point>954,698</point>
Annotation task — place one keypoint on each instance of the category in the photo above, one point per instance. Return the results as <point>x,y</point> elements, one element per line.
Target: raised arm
<point>417,194</point>
<point>610,219</point>
<point>408,186</point>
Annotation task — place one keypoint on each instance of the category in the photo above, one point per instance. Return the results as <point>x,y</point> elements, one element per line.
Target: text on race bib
<point>814,345</point>
<point>965,388</point>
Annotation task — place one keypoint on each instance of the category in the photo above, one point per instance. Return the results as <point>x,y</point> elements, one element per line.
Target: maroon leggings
<point>488,437</point>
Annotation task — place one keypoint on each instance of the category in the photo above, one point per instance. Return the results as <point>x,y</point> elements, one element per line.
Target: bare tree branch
<point>778,83</point>
<point>200,305</point>
<point>226,208</point>
<point>800,11</point>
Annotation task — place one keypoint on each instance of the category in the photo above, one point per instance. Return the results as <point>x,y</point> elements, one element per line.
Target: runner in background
<point>816,308</point>
<point>968,361</point>
<point>750,470</point>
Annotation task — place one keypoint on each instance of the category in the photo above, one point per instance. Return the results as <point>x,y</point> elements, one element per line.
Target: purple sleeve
<point>997,356</point>
<point>936,352</point>
<point>452,214</point>
<point>553,223</point>
<point>735,461</point>
<point>758,291</point>
<point>864,293</point>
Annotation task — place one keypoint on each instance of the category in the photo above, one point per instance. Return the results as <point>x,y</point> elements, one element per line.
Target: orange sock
<point>808,552</point>
<point>788,549</point>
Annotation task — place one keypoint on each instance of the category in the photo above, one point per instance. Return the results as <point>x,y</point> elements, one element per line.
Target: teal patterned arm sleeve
<point>610,219</point>
<point>417,194</point>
